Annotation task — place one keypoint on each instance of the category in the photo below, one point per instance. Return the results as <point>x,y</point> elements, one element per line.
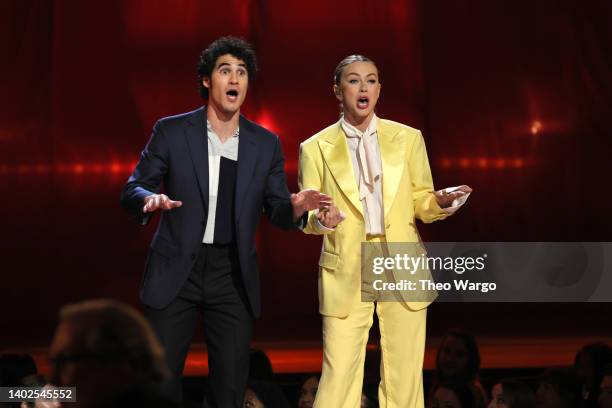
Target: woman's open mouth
<point>363,102</point>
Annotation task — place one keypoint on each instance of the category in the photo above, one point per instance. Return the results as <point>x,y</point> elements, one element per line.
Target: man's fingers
<point>158,201</point>
<point>324,204</point>
<point>165,202</point>
<point>172,204</point>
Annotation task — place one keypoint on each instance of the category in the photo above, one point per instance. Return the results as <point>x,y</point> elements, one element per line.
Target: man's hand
<point>307,200</point>
<point>445,199</point>
<point>331,216</point>
<point>159,201</point>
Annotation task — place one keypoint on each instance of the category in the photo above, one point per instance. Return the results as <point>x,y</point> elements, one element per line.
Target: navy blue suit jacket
<point>176,157</point>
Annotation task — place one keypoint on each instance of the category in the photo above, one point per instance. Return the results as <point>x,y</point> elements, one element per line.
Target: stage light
<point>536,127</point>
<point>265,119</point>
<point>78,168</point>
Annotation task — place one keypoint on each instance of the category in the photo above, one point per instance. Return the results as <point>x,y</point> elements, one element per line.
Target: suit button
<point>193,257</point>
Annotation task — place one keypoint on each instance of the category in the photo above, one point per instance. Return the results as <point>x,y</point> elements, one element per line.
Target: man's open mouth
<point>232,94</point>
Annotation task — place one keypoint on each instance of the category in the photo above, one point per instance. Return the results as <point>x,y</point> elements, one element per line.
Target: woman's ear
<point>338,92</point>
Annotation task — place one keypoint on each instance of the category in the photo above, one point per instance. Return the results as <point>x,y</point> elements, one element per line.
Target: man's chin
<point>231,109</point>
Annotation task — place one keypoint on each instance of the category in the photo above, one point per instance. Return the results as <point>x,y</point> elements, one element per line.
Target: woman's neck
<point>360,124</point>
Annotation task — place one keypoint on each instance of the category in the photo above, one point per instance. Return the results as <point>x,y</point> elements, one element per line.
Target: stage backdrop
<point>513,98</point>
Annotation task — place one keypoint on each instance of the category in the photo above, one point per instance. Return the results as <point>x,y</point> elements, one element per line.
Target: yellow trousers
<point>402,343</point>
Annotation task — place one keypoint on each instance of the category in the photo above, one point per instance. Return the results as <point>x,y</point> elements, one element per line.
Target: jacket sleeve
<point>309,176</point>
<point>277,200</point>
<point>426,207</point>
<point>147,176</point>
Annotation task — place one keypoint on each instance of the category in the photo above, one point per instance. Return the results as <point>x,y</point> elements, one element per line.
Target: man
<point>219,171</point>
<point>108,351</point>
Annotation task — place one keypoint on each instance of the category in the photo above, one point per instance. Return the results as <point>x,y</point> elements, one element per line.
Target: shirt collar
<point>210,129</point>
<point>352,131</point>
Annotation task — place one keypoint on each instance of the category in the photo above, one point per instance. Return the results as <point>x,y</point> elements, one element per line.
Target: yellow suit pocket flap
<point>328,260</point>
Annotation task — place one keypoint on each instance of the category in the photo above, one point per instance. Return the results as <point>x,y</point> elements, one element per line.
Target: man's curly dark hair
<point>235,46</point>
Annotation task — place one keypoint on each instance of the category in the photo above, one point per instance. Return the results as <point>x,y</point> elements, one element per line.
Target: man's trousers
<point>215,289</point>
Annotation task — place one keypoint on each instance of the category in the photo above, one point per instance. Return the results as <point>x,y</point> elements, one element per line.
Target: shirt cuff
<point>302,221</point>
<point>457,202</point>
<point>322,227</point>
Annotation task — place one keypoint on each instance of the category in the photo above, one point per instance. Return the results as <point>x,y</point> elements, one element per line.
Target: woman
<point>589,364</point>
<point>458,360</point>
<point>308,392</point>
<point>378,176</point>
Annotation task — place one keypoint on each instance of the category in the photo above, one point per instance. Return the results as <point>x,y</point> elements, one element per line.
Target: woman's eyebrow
<point>354,73</point>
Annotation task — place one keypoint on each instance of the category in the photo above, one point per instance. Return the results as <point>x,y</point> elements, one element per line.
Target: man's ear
<point>206,82</point>
<point>337,92</point>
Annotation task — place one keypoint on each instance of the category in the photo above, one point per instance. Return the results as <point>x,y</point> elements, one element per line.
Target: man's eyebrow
<point>227,64</point>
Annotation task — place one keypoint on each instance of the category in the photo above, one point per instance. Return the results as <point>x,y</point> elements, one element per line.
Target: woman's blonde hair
<point>349,60</point>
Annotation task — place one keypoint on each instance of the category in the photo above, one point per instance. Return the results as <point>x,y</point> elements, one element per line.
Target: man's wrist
<point>298,212</point>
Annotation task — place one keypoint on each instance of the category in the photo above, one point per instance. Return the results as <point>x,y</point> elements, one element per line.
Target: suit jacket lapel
<point>335,153</point>
<point>247,157</point>
<point>392,152</point>
<point>195,133</point>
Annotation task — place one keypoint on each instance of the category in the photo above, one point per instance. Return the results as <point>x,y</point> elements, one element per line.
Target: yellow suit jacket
<point>407,188</point>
